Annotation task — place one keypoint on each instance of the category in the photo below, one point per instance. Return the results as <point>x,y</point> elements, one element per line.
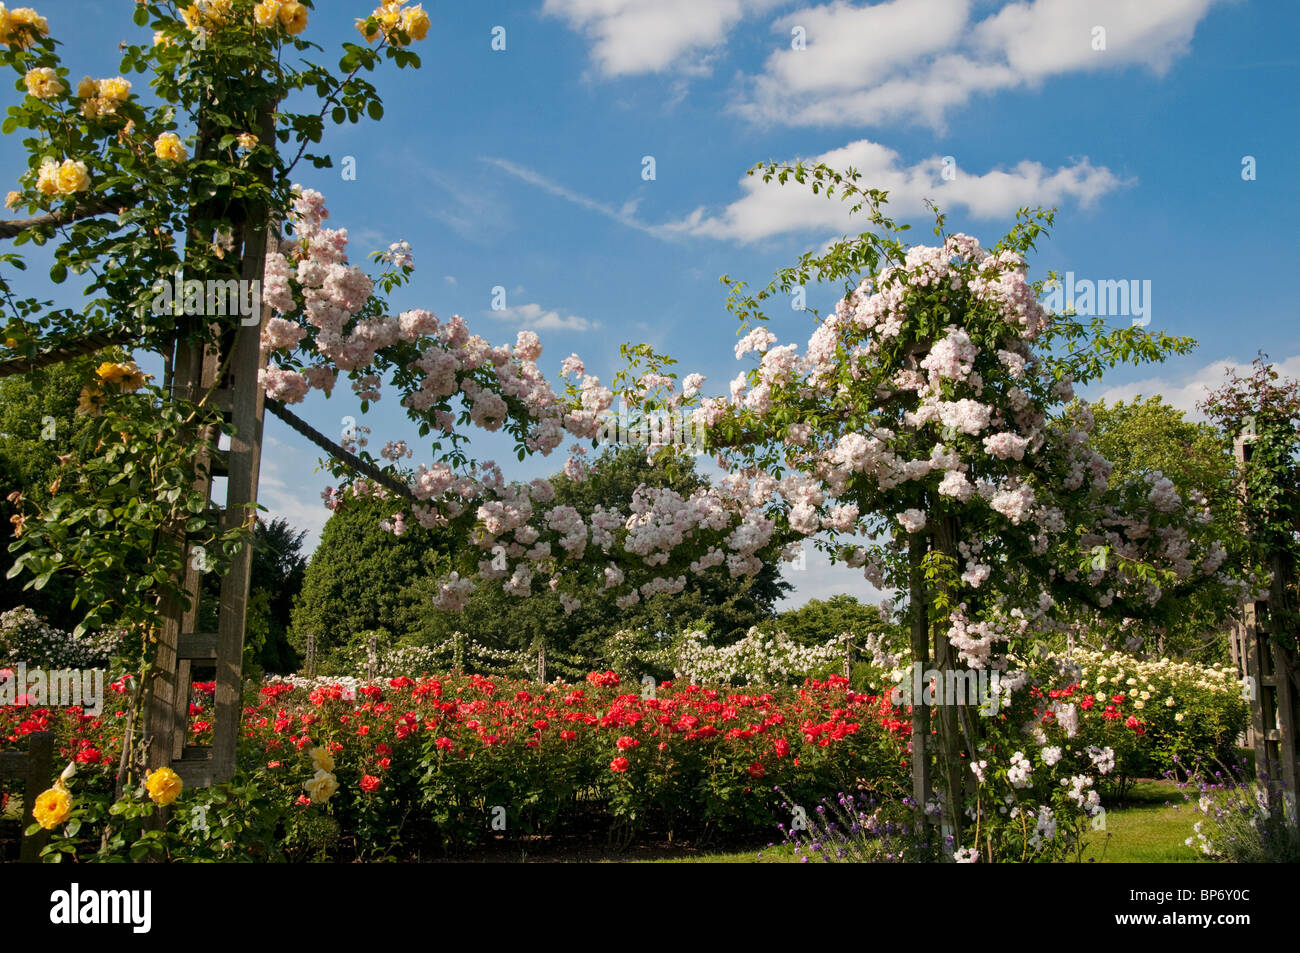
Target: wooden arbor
<point>1270,678</point>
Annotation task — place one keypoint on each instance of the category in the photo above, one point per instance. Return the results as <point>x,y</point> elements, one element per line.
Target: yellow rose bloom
<point>247,141</point>
<point>72,177</point>
<point>168,147</point>
<point>415,23</point>
<point>111,373</point>
<point>13,199</point>
<point>43,83</point>
<point>369,35</point>
<point>267,13</point>
<point>53,806</point>
<point>128,377</point>
<point>47,179</point>
<point>293,17</point>
<point>164,786</point>
<point>321,759</point>
<point>89,401</point>
<point>87,88</point>
<point>18,26</point>
<point>115,89</point>
<point>321,786</point>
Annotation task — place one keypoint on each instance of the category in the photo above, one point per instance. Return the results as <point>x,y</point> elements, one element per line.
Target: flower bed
<point>1158,716</point>
<point>423,766</point>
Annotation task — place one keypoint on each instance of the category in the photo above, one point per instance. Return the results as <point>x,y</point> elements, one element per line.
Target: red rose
<point>618,765</point>
<point>625,743</point>
<point>369,783</point>
<point>756,770</point>
<point>782,747</point>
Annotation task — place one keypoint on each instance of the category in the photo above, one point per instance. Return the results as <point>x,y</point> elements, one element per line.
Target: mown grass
<point>1149,827</point>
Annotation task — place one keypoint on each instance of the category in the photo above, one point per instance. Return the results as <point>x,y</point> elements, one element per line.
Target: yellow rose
<point>53,806</point>
<point>19,25</point>
<point>389,18</point>
<point>321,759</point>
<point>164,786</point>
<point>267,13</point>
<point>47,179</point>
<point>89,401</point>
<point>293,17</point>
<point>87,88</point>
<point>247,141</point>
<point>128,377</point>
<point>367,33</point>
<point>72,177</point>
<point>13,199</point>
<point>111,373</point>
<point>168,148</point>
<point>115,89</point>
<point>43,83</point>
<point>415,23</point>
<point>321,786</point>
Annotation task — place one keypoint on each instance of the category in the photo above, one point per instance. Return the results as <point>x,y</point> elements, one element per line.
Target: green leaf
<point>59,273</point>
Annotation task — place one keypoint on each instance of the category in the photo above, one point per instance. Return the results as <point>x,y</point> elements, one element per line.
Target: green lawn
<point>1142,830</point>
<point>1146,831</point>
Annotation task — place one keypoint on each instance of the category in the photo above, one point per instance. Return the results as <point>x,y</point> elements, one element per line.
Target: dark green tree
<point>38,424</point>
<point>1146,436</point>
<point>279,566</point>
<point>363,578</point>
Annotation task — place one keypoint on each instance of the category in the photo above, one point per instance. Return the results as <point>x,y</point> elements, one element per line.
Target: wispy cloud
<point>285,486</point>
<point>623,214</point>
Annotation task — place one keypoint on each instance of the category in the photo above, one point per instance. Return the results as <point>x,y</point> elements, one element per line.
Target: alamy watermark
<point>1104,297</point>
<point>657,429</point>
<point>211,297</point>
<point>979,688</point>
<point>84,688</point>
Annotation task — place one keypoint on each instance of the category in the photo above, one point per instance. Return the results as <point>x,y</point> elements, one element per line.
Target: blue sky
<point>523,168</point>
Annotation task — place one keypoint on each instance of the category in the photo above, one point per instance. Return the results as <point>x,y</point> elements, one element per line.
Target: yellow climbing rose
<point>63,178</point>
<point>168,147</point>
<point>293,17</point>
<point>164,786</point>
<point>18,26</point>
<point>415,22</point>
<point>43,83</point>
<point>53,806</point>
<point>267,13</point>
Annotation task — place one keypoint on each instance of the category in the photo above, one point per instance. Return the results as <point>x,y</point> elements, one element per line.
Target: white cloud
<point>286,489</point>
<point>651,36</point>
<point>1185,391</point>
<point>769,208</point>
<point>450,279</point>
<point>916,60</point>
<point>821,579</point>
<point>535,317</point>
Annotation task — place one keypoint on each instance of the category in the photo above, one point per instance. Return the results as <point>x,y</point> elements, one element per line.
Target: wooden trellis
<point>1268,674</point>
<point>233,369</point>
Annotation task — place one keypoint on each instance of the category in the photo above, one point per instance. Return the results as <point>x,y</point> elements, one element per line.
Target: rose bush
<point>408,766</point>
